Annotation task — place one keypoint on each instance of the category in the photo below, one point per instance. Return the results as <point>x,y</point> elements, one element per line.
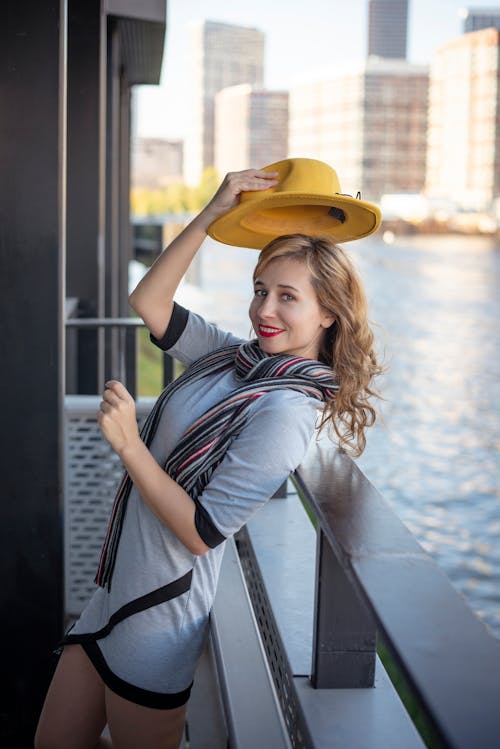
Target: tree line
<point>176,198</point>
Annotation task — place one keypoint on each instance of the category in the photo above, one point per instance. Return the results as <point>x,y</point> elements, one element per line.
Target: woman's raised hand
<point>154,295</point>
<point>233,184</point>
<point>117,418</point>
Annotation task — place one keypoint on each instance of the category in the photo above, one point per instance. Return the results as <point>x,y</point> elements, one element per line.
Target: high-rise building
<point>251,127</point>
<point>463,158</point>
<point>475,19</point>
<point>221,55</point>
<point>369,124</point>
<point>387,28</point>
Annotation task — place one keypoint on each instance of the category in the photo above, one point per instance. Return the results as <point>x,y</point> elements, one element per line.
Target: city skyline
<point>161,111</point>
<point>370,122</point>
<point>222,55</point>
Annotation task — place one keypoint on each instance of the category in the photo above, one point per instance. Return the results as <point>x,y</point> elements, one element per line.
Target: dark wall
<point>65,74</point>
<point>31,376</point>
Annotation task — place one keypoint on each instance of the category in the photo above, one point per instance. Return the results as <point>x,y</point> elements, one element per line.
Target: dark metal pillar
<point>86,167</point>
<point>32,250</point>
<point>125,251</point>
<point>113,193</point>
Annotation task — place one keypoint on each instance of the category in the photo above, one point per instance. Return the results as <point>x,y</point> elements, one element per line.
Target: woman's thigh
<point>74,712</point>
<point>133,726</point>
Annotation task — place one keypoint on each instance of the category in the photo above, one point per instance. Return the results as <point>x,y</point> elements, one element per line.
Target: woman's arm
<point>153,297</point>
<point>169,502</point>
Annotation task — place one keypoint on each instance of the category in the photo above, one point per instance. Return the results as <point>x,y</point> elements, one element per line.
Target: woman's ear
<point>328,319</point>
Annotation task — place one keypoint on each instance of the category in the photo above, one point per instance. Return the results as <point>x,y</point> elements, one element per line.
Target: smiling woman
<point>285,312</point>
<point>211,453</point>
<point>324,316</point>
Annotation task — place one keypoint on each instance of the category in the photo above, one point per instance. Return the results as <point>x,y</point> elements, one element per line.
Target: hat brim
<point>254,223</point>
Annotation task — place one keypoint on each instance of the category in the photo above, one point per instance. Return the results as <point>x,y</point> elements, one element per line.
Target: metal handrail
<point>105,322</point>
<point>449,659</point>
<point>122,350</point>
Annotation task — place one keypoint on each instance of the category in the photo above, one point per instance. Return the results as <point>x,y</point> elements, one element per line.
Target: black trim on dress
<point>206,528</point>
<point>144,697</point>
<point>175,328</point>
<point>160,595</point>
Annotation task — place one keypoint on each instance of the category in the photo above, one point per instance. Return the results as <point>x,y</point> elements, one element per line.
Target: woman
<point>129,660</point>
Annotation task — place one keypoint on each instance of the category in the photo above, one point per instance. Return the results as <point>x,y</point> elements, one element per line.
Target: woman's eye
<point>260,292</point>
<point>287,297</point>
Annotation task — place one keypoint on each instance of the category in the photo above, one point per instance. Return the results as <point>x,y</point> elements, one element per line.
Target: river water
<point>434,453</point>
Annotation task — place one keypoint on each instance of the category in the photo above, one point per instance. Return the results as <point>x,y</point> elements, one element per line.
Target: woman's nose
<point>268,307</point>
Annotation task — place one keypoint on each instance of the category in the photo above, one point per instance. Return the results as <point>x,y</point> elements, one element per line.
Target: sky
<point>303,38</point>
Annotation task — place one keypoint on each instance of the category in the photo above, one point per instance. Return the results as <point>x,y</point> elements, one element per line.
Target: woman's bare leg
<point>132,726</point>
<point>74,713</point>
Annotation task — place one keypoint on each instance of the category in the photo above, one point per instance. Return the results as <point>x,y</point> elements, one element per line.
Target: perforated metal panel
<point>92,474</point>
<point>277,659</point>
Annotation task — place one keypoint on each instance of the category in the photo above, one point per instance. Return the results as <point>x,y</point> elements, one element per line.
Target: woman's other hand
<point>233,184</point>
<point>117,418</point>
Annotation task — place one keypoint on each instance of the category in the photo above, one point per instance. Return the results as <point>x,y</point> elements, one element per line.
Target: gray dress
<point>145,635</point>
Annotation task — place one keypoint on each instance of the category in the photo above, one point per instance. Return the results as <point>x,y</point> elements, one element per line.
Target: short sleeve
<point>189,336</point>
<point>175,328</point>
<point>270,446</point>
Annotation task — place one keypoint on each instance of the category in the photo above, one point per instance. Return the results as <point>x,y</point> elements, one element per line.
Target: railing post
<point>344,637</point>
<point>130,360</point>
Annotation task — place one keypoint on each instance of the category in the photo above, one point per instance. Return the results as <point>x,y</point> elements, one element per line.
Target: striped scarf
<point>204,444</point>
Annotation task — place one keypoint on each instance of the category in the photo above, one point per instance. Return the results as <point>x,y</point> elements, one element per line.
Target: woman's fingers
<point>251,179</point>
<point>117,416</point>
<point>115,389</point>
<point>116,399</point>
<point>110,397</point>
<point>254,174</point>
<point>233,184</point>
<point>229,192</point>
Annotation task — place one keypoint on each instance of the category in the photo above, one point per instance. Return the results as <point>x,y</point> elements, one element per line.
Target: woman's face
<point>285,312</point>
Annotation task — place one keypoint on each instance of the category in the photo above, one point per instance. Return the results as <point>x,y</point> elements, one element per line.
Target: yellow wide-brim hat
<point>306,200</point>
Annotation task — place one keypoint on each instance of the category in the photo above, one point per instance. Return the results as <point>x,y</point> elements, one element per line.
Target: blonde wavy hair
<point>347,345</point>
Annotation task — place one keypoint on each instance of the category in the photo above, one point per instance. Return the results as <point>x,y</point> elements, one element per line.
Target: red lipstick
<point>268,331</point>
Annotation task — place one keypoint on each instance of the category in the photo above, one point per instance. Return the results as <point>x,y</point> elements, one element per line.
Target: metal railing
<point>115,350</point>
<point>371,580</point>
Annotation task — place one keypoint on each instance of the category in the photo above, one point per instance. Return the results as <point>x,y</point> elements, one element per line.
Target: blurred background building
<point>475,19</point>
<point>463,141</point>
<point>156,162</point>
<point>387,28</point>
<point>222,55</point>
<point>370,123</point>
<point>251,127</point>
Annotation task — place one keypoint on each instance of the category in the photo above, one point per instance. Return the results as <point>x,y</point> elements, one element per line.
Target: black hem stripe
<point>206,528</point>
<point>144,697</point>
<point>178,322</point>
<point>156,597</point>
